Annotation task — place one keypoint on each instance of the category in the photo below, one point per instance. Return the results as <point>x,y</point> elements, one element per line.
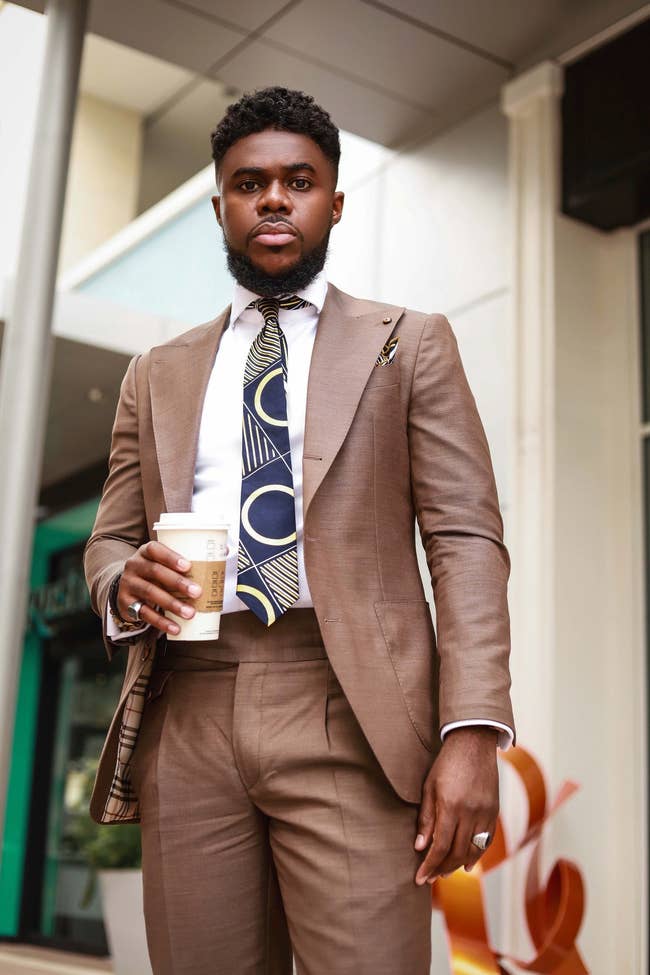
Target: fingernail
<point>194,590</point>
<point>187,612</point>
<point>419,841</point>
<point>431,879</point>
<point>183,564</point>
<point>174,628</point>
<point>420,880</point>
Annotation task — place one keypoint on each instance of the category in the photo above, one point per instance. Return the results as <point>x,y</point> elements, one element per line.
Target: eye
<point>301,183</point>
<point>248,185</point>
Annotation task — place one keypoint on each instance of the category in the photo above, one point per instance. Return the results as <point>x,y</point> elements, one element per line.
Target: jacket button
<point>145,654</point>
<point>387,320</point>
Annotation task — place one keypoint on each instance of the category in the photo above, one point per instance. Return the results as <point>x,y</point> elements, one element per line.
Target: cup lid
<point>191,519</point>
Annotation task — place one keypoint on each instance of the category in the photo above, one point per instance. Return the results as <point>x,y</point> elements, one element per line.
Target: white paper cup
<point>204,543</point>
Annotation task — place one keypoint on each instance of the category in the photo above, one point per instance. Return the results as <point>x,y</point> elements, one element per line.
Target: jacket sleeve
<point>457,510</point>
<point>121,525</point>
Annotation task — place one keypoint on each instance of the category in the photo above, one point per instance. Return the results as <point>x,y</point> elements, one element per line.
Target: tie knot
<point>269,307</point>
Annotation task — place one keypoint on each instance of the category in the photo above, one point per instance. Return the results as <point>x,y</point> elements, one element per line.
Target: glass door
<point>79,691</point>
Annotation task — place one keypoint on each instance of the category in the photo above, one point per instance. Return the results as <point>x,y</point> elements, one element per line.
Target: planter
<point>124,921</point>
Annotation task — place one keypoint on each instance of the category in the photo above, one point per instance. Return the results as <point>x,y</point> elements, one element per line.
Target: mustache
<point>275,219</point>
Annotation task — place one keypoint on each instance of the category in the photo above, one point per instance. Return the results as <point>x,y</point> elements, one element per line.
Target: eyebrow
<point>259,170</point>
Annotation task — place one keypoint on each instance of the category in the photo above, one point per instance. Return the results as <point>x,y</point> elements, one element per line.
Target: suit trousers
<point>268,826</point>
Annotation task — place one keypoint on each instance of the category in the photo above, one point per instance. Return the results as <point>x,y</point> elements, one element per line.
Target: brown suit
<point>383,446</point>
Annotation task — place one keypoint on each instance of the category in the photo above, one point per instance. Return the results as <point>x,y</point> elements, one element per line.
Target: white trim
<point>624,611</point>
<point>531,103</point>
<point>641,227</point>
<point>147,224</point>
<point>102,324</point>
<point>504,740</point>
<point>544,81</point>
<point>640,588</point>
<point>604,36</point>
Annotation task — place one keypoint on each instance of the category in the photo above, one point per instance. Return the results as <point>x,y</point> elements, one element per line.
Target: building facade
<point>547,288</point>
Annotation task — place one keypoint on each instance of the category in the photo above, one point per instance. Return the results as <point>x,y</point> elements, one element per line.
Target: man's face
<point>277,205</point>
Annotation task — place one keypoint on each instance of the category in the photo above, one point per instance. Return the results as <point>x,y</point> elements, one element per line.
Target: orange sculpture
<point>554,912</point>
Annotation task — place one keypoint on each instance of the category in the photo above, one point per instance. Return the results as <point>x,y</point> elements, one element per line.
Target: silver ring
<point>481,840</point>
<point>133,609</point>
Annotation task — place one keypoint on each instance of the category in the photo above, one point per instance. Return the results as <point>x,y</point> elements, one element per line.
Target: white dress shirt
<point>217,491</point>
<point>217,475</point>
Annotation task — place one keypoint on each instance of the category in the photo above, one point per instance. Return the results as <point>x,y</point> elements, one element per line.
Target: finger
<point>460,849</point>
<point>150,615</point>
<point>426,818</point>
<point>153,595</point>
<point>443,837</point>
<point>473,859</point>
<point>158,552</point>
<point>475,853</point>
<point>172,582</point>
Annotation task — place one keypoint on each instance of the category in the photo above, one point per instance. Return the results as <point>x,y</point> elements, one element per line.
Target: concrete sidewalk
<point>29,960</point>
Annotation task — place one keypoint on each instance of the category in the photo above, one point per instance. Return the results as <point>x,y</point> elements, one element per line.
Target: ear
<point>337,206</point>
<point>216,203</point>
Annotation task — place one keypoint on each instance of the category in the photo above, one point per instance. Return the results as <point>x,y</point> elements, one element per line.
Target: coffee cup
<point>203,542</point>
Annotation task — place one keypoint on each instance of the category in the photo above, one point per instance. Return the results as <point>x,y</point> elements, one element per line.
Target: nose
<point>274,199</point>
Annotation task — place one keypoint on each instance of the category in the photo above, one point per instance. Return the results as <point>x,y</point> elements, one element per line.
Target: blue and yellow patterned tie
<point>267,564</point>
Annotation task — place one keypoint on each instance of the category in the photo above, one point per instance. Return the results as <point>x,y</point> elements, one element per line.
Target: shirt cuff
<point>505,738</point>
<point>115,634</point>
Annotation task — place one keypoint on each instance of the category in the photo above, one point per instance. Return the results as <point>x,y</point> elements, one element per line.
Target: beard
<point>269,286</point>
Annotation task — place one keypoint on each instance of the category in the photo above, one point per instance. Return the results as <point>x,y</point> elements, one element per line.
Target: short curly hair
<point>276,108</point>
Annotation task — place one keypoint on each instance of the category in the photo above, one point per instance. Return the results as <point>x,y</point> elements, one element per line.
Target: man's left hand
<point>460,797</point>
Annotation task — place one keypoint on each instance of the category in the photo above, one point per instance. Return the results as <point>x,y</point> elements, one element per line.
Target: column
<point>26,363</point>
<point>531,103</point>
<point>574,529</point>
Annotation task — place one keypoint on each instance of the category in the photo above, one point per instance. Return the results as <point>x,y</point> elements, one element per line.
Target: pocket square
<point>387,354</point>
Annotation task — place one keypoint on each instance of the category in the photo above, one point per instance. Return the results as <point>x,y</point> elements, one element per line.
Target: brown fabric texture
<point>385,447</point>
<point>243,636</point>
<point>268,822</point>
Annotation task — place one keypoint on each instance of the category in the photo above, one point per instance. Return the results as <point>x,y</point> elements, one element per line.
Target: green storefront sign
<point>51,603</point>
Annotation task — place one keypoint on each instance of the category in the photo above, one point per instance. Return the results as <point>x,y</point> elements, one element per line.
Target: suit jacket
<point>390,437</point>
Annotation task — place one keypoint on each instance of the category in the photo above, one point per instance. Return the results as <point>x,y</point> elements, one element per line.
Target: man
<point>299,780</point>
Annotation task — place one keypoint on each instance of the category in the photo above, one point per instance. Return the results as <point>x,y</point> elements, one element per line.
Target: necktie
<point>267,563</point>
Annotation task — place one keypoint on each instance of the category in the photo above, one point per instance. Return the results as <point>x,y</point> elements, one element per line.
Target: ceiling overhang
<point>394,72</point>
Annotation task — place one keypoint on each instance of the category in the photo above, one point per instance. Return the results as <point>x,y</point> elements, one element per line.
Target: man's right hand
<point>155,576</point>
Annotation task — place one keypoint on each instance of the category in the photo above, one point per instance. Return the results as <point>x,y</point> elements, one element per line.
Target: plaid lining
<point>122,804</point>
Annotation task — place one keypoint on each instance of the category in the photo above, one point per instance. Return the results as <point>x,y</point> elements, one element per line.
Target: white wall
<point>22,46</point>
<point>426,228</point>
<point>106,152</point>
<point>576,593</point>
<point>103,179</point>
<point>598,712</point>
<point>177,144</point>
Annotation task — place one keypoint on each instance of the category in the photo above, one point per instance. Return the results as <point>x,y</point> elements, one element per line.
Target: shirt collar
<point>315,292</point>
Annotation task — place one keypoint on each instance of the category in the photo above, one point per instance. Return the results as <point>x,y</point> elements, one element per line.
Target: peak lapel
<point>348,341</point>
<point>178,380</point>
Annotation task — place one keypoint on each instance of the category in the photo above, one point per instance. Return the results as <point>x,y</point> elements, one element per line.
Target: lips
<point>274,234</point>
